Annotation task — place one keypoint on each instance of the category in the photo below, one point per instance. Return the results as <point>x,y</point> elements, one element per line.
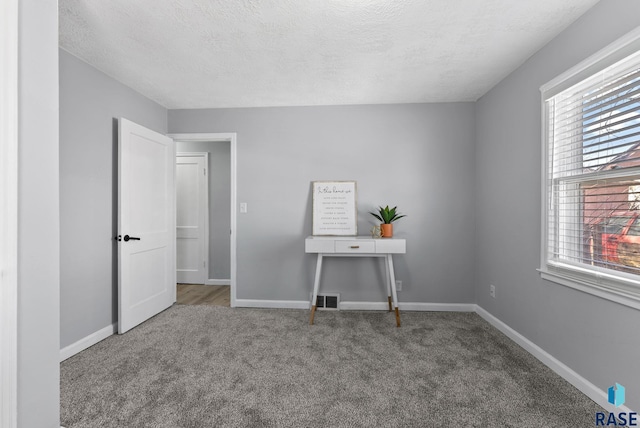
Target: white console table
<point>356,246</point>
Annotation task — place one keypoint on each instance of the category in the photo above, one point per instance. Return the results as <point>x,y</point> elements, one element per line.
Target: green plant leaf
<point>398,217</point>
<point>386,215</point>
<point>376,216</point>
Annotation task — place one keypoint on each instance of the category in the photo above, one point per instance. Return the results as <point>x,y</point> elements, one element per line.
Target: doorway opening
<point>206,232</point>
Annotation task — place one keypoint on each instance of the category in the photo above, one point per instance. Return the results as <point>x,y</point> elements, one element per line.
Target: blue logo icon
<point>616,395</point>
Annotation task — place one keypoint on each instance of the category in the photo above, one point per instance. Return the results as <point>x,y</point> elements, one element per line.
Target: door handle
<point>130,238</point>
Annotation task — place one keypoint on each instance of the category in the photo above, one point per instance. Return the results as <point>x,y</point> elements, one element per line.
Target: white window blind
<point>593,176</point>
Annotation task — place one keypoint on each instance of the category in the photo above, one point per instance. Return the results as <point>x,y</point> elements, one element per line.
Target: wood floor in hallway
<point>198,294</point>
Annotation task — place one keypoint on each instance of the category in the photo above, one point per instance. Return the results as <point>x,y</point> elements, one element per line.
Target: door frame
<point>231,138</point>
<point>205,253</point>
<point>9,215</point>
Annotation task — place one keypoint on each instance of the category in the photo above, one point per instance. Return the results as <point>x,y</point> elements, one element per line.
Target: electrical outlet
<point>492,291</point>
<point>398,285</point>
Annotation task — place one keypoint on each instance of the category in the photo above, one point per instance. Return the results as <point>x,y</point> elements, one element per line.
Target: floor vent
<point>329,301</point>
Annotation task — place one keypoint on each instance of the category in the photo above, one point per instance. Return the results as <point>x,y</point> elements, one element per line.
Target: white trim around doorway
<point>9,214</point>
<point>232,139</point>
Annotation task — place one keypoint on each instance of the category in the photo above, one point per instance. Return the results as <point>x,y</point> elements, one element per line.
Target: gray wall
<point>219,173</point>
<point>417,156</point>
<point>596,338</point>
<point>38,214</point>
<point>90,103</point>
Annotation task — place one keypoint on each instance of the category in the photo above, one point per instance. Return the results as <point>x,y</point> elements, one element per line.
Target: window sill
<point>571,279</point>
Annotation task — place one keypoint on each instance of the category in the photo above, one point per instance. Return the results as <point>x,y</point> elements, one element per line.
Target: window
<point>591,219</point>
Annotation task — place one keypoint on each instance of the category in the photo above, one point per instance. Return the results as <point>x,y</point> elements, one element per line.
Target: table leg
<point>394,294</point>
<point>388,279</point>
<point>316,286</point>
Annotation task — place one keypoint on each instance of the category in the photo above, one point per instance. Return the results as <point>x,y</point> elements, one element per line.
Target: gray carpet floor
<point>202,366</point>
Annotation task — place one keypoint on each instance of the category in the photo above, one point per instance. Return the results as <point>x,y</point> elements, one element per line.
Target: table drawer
<point>319,246</point>
<point>391,246</point>
<point>355,246</point>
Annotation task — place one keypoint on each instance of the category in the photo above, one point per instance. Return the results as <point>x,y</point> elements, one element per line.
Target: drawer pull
<point>355,246</point>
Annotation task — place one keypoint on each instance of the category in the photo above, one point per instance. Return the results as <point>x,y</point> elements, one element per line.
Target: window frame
<point>605,283</point>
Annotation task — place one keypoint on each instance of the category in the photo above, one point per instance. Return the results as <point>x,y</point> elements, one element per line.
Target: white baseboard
<point>437,307</point>
<point>92,339</point>
<point>272,304</point>
<point>582,384</point>
<point>217,282</point>
<point>357,306</point>
<point>407,306</point>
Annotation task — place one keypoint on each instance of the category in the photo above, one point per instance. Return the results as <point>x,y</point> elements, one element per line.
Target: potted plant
<point>387,216</point>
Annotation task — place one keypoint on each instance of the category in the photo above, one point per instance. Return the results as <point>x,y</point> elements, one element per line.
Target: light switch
<point>243,207</point>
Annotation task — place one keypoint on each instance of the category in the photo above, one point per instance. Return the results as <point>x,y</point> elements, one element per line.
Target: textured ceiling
<point>249,53</point>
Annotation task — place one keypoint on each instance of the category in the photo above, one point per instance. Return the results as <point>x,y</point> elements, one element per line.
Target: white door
<point>146,224</point>
<point>191,219</point>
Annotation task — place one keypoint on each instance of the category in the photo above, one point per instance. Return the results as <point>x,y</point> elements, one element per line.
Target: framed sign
<point>334,208</point>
